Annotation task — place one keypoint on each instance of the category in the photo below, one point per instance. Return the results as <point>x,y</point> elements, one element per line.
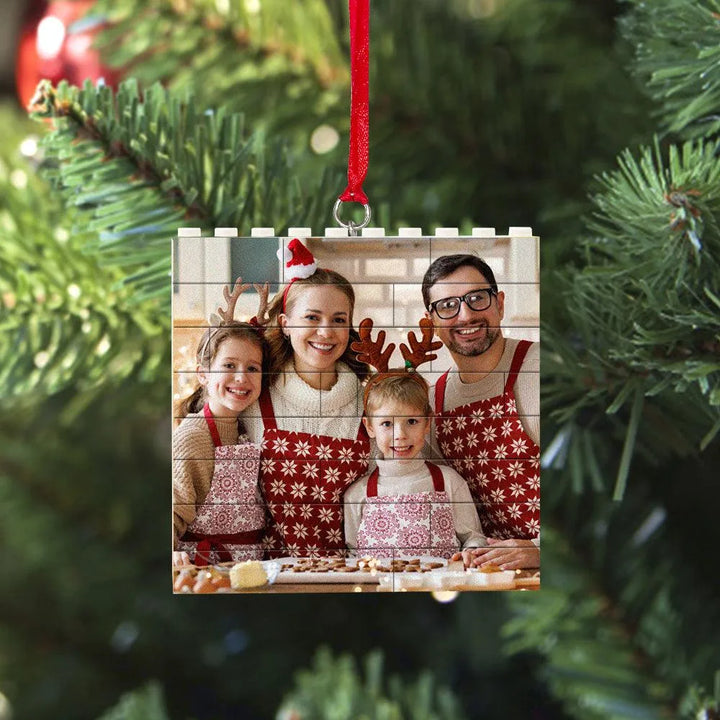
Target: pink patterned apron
<point>415,523</point>
<point>486,443</point>
<point>228,525</point>
<point>303,477</point>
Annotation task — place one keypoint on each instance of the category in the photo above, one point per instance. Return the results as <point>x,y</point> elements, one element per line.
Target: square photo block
<point>355,414</point>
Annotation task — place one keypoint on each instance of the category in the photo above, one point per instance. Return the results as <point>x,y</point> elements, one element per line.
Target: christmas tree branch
<point>644,307</point>
<point>147,703</point>
<point>678,59</point>
<point>67,321</point>
<point>201,34</point>
<point>619,649</point>
<point>637,374</point>
<point>416,103</point>
<point>251,57</point>
<point>137,167</point>
<point>74,525</point>
<point>333,689</point>
<point>585,400</point>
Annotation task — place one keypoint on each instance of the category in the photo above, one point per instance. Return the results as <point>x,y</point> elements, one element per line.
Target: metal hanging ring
<point>351,226</point>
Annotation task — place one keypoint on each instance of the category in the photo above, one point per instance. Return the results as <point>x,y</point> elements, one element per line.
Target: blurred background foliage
<point>593,122</point>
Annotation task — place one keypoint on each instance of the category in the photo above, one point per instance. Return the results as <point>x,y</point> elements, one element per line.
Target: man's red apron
<point>414,523</point>
<point>486,443</point>
<point>228,524</point>
<point>303,477</point>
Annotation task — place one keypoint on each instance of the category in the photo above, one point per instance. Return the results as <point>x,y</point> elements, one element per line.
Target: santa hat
<point>298,261</point>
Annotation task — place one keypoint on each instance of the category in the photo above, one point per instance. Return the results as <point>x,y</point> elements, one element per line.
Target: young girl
<point>314,445</point>
<point>218,513</point>
<point>406,505</point>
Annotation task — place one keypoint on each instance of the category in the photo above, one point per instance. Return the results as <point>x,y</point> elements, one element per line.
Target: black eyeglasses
<point>447,308</point>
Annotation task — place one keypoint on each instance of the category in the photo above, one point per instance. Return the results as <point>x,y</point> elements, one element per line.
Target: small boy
<point>407,505</point>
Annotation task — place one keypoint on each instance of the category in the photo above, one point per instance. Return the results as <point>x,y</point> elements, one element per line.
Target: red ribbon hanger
<point>359,111</point>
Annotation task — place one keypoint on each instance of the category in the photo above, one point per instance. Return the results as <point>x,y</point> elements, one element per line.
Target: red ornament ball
<point>56,44</point>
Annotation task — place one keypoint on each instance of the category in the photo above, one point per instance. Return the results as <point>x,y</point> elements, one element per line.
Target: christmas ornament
<point>56,44</point>
<point>481,311</point>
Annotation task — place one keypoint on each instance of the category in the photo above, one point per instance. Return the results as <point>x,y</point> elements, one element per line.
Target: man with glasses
<point>487,409</point>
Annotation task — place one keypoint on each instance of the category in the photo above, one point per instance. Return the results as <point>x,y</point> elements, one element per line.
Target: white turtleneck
<point>405,477</point>
<point>299,407</point>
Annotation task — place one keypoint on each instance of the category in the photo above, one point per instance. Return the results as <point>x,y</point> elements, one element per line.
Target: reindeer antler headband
<point>227,315</point>
<point>372,352</point>
<point>224,317</point>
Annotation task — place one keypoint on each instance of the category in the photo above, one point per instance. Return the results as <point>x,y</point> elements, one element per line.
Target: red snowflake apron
<point>303,477</point>
<point>414,523</point>
<point>228,525</point>
<point>486,443</point>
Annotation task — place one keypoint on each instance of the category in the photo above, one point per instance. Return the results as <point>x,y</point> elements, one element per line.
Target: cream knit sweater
<point>301,408</point>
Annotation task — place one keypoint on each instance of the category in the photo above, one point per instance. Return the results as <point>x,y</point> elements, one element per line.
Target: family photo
<point>355,408</point>
<point>143,408</point>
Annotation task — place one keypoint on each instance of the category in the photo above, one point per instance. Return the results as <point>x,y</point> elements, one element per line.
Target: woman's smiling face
<point>317,322</point>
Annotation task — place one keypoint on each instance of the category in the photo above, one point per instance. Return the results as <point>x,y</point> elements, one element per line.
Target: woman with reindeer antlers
<point>308,418</point>
<point>218,512</point>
